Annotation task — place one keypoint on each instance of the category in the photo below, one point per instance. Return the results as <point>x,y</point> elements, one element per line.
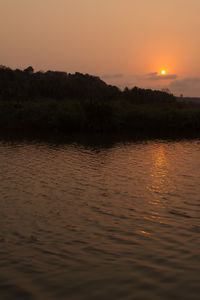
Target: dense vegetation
<point>58,100</point>
<point>27,85</point>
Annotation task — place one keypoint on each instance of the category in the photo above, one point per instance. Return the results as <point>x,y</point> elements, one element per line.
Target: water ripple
<point>119,222</point>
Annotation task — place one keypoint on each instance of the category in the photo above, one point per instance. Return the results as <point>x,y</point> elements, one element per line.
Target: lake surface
<point>94,221</point>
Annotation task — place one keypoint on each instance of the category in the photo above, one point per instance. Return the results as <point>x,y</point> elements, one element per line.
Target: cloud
<point>156,76</point>
<point>112,76</point>
<point>189,86</point>
<point>152,74</point>
<point>186,82</point>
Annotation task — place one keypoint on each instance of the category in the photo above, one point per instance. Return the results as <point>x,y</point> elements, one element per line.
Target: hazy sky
<point>125,42</point>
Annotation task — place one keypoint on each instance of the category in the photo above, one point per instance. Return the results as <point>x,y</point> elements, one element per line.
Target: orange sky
<point>124,41</point>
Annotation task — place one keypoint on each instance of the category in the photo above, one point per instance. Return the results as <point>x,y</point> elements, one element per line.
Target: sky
<point>125,42</point>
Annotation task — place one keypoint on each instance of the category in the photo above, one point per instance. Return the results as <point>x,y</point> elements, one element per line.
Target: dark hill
<point>29,85</point>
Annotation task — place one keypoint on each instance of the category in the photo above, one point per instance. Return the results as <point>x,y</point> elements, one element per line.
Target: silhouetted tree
<point>27,84</point>
<point>29,70</point>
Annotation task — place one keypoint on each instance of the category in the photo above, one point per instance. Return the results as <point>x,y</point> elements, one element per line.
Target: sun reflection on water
<point>158,175</point>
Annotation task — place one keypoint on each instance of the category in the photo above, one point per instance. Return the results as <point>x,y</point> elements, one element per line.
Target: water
<point>112,221</point>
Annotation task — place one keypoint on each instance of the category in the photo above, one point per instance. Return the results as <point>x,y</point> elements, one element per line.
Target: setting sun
<point>163,72</point>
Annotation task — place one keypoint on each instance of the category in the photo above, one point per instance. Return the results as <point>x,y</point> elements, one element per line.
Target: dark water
<point>119,221</point>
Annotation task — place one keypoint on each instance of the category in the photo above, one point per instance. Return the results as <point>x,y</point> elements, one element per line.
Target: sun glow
<point>163,72</point>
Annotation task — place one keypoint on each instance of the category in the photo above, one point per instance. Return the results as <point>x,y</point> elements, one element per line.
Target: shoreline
<point>91,116</point>
<point>86,138</point>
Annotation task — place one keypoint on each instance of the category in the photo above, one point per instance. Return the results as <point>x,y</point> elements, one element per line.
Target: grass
<point>88,115</point>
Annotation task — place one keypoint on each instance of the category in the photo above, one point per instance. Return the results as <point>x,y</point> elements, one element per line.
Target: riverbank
<point>95,116</point>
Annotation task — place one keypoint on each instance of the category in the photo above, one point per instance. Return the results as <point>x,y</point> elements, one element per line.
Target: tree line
<point>29,85</point>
